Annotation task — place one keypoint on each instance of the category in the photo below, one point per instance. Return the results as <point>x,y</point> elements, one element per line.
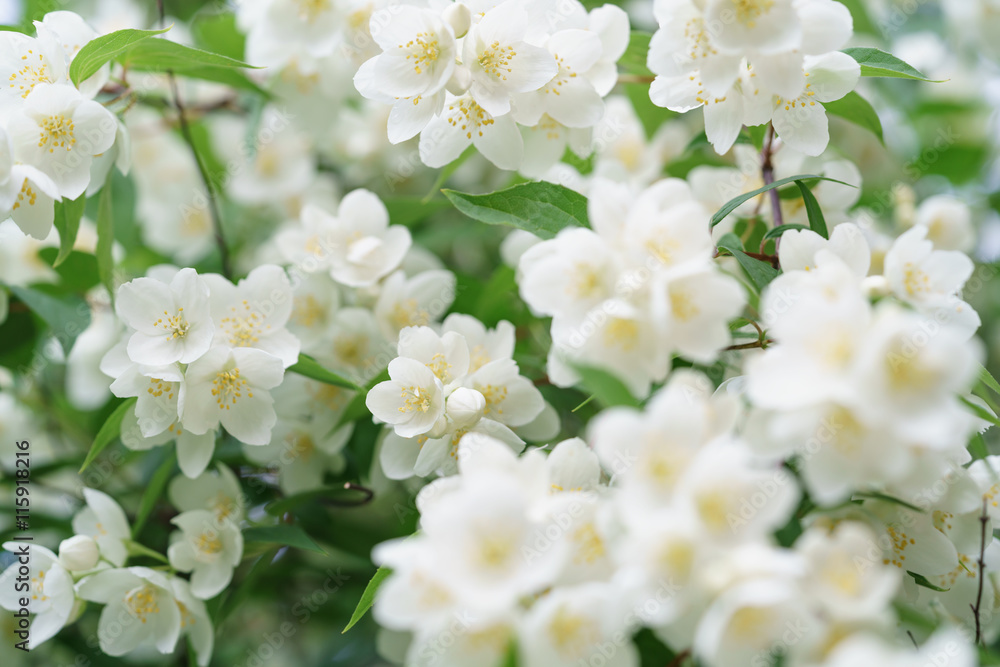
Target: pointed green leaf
<point>775,232</point>
<point>311,368</point>
<point>105,239</point>
<point>605,387</point>
<point>987,378</point>
<point>284,533</point>
<point>67,221</point>
<point>816,220</point>
<point>856,109</point>
<point>921,580</point>
<point>760,273</point>
<point>110,431</point>
<point>104,49</point>
<point>875,62</point>
<point>368,597</point>
<point>540,208</point>
<point>67,316</point>
<point>735,202</point>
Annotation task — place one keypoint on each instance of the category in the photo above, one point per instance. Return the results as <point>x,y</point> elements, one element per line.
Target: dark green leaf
<point>921,580</point>
<point>67,316</point>
<point>67,221</point>
<point>734,203</point>
<point>368,597</point>
<point>816,220</point>
<point>760,273</point>
<point>287,534</point>
<point>730,240</point>
<point>886,498</point>
<point>154,489</point>
<point>311,368</point>
<point>105,239</point>
<point>856,109</point>
<point>775,232</point>
<point>110,431</point>
<point>875,62</point>
<point>104,49</point>
<point>540,208</point>
<point>605,387</point>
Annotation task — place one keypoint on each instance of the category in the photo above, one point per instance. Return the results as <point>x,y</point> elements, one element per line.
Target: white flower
<point>283,31</point>
<point>26,62</point>
<point>78,553</point>
<point>48,589</point>
<point>412,400</point>
<point>948,648</point>
<point>172,321</point>
<point>194,451</point>
<point>253,313</point>
<point>208,548</point>
<point>463,122</point>
<point>798,249</point>
<point>230,386</point>
<point>196,624</point>
<point>218,491</point>
<point>410,302</point>
<point>159,391</point>
<point>948,221</point>
<point>72,33</point>
<point>140,609</point>
<point>26,194</point>
<point>511,399</point>
<point>501,62</point>
<point>59,131</point>
<point>104,521</point>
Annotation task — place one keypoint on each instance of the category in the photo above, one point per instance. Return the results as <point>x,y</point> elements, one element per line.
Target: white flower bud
<point>459,18</point>
<point>78,553</point>
<point>465,407</point>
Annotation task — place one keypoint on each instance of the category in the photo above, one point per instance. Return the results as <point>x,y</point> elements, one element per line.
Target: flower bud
<point>465,407</point>
<point>459,18</point>
<point>78,553</point>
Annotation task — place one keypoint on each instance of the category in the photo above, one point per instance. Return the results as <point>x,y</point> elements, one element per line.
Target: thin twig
<point>749,346</point>
<point>983,520</point>
<point>680,658</point>
<point>767,171</point>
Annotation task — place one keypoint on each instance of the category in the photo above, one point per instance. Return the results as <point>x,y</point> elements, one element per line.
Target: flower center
<point>142,602</point>
<point>175,325</point>
<point>424,50</point>
<point>440,367</point>
<point>227,387</point>
<point>31,74</point>
<point>57,132</point>
<point>407,313</point>
<point>415,399</point>
<point>469,116</point>
<point>621,332</point>
<point>209,544</point>
<point>496,60</point>
<point>748,11</point>
<point>38,587</point>
<point>310,9</point>
<point>157,387</point>
<point>572,634</point>
<point>494,396</point>
<point>242,330</point>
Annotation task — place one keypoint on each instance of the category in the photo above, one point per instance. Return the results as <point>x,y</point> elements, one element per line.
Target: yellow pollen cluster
<point>495,396</point>
<point>573,635</point>
<point>209,543</point>
<point>701,47</point>
<point>187,618</point>
<point>423,49</point>
<point>415,399</point>
<point>300,445</point>
<point>991,496</point>
<point>587,281</point>
<point>242,329</point>
<point>142,602</point>
<point>468,116</point>
<point>440,367</point>
<point>900,542</point>
<point>590,546</point>
<point>662,249</point>
<point>407,313</point>
<point>799,101</point>
<point>748,11</point>
<point>915,280</point>
<point>30,74</point>
<point>310,9</point>
<point>682,306</point>
<point>38,587</point>
<point>307,311</point>
<point>175,324</point>
<point>25,193</point>
<point>157,387</point>
<point>478,357</point>
<point>496,60</point>
<point>227,387</point>
<point>621,332</point>
<point>57,132</point>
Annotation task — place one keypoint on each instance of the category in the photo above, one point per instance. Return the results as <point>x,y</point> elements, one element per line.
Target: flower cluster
<point>199,352</point>
<point>56,142</point>
<point>634,290</point>
<point>749,62</point>
<point>520,81</point>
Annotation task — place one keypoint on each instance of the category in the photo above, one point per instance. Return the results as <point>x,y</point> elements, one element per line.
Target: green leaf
<point>105,48</point>
<point>856,109</point>
<point>110,431</point>
<point>633,61</point>
<point>136,549</point>
<point>980,411</point>
<point>775,232</point>
<point>760,273</point>
<point>987,378</point>
<point>921,580</point>
<point>105,239</point>
<point>734,203</point>
<point>66,316</point>
<point>886,498</point>
<point>977,446</point>
<point>605,387</point>
<point>154,489</point>
<point>67,221</point>
<point>875,62</point>
<point>338,493</point>
<point>540,208</point>
<point>816,220</point>
<point>368,597</point>
<point>311,368</point>
<point>287,534</point>
<point>408,211</point>
<point>160,55</point>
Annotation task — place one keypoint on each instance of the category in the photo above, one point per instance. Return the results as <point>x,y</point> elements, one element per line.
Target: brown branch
<point>767,171</point>
<point>749,346</point>
<point>983,520</point>
<point>680,658</point>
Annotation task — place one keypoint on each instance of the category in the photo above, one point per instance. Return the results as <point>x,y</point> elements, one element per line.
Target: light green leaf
<point>987,378</point>
<point>136,549</point>
<point>311,368</point>
<point>110,431</point>
<point>104,49</point>
<point>875,62</point>
<point>540,208</point>
<point>368,597</point>
<point>287,534</point>
<point>735,202</point>
<point>816,220</point>
<point>160,55</point>
<point>856,109</point>
<point>408,211</point>
<point>66,316</point>
<point>760,273</point>
<point>605,387</point>
<point>67,221</point>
